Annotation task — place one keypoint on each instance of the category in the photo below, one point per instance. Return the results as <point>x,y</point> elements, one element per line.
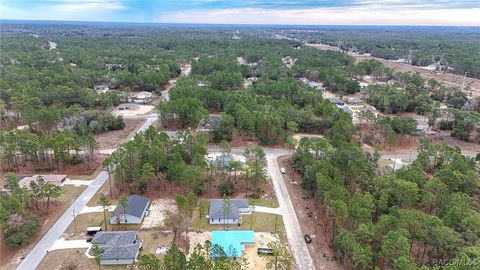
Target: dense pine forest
<point>245,92</point>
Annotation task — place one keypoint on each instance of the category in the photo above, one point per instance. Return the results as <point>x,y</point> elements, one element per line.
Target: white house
<point>134,213</point>
<point>143,97</point>
<point>219,215</point>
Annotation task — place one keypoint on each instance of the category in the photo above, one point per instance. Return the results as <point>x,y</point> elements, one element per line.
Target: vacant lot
<point>159,211</point>
<point>113,139</point>
<point>10,257</point>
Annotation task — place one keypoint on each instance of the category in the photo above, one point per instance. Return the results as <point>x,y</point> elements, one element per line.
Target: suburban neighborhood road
<point>292,226</point>
<point>36,255</point>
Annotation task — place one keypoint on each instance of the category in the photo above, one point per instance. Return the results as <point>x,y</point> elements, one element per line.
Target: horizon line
<point>239,24</point>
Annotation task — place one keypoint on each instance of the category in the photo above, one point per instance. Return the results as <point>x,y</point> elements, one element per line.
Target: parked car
<point>307,238</point>
<point>282,170</point>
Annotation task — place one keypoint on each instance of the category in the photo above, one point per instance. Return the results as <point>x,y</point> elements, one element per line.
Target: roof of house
<point>128,106</point>
<point>231,242</point>
<point>136,206</point>
<point>335,101</point>
<point>56,179</point>
<point>354,100</point>
<point>143,94</point>
<point>223,160</point>
<point>217,208</point>
<point>117,244</point>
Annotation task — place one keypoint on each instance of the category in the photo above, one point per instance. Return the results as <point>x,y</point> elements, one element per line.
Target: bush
<point>445,125</point>
<point>96,123</point>
<point>226,188</point>
<point>20,228</point>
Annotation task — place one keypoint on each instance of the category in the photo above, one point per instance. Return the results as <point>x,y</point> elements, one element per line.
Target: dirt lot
<point>113,139</point>
<point>159,211</point>
<point>10,256</point>
<point>67,259</point>
<point>306,209</point>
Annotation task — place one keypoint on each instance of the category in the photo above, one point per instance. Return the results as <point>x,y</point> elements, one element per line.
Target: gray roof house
<point>223,161</point>
<point>136,210</point>
<point>217,213</point>
<point>119,247</point>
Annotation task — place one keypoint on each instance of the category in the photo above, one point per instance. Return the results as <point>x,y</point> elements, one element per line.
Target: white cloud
<point>82,10</point>
<point>328,16</point>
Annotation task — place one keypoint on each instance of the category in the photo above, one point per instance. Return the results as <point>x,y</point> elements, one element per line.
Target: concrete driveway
<point>268,210</point>
<point>96,209</point>
<point>69,244</point>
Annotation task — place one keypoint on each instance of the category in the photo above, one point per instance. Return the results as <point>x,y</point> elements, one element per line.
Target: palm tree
<point>105,202</point>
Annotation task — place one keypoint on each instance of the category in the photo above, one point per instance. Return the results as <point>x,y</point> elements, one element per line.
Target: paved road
<point>33,259</point>
<point>292,226</point>
<point>36,255</point>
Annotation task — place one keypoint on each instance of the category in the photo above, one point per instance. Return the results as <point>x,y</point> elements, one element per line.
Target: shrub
<point>226,188</point>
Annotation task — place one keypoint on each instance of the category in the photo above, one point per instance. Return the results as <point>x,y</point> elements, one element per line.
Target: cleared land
<point>447,78</point>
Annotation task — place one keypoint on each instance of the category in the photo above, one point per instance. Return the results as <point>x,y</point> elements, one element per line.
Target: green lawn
<point>70,193</point>
<point>259,222</point>
<point>263,202</point>
<point>83,221</point>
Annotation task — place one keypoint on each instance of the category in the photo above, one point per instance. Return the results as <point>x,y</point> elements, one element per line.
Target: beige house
<point>56,179</point>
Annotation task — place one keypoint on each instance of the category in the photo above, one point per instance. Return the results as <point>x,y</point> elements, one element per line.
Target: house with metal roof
<point>230,243</point>
<point>119,247</point>
<point>134,213</point>
<point>218,214</point>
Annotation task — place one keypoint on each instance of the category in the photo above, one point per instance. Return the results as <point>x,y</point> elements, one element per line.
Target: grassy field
<point>262,202</point>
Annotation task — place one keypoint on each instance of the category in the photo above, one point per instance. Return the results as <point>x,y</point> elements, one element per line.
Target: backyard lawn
<point>258,222</point>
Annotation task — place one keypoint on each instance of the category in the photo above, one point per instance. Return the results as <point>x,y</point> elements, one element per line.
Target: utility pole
<point>75,221</point>
<point>276,216</point>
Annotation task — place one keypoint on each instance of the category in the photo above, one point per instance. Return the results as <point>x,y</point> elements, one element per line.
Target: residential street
<point>292,226</point>
<point>36,255</point>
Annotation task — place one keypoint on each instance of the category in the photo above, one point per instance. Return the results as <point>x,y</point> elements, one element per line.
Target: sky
<point>294,12</point>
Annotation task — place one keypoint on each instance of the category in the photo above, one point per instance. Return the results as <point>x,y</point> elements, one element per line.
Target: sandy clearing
<point>299,136</point>
<point>196,238</point>
<point>142,110</point>
<point>159,210</point>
